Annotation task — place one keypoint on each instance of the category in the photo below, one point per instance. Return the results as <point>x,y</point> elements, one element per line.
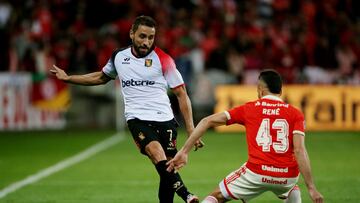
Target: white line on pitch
<point>87,153</point>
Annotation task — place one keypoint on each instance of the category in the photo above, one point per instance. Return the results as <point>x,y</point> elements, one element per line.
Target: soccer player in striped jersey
<point>146,72</point>
<point>275,137</point>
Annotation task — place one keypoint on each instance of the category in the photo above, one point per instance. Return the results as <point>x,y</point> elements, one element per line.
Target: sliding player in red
<point>275,137</point>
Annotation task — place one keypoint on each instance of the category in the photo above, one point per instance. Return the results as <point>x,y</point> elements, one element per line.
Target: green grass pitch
<point>120,174</point>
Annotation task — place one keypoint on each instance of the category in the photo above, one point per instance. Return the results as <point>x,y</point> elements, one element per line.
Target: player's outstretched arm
<point>303,161</point>
<point>90,79</point>
<point>180,158</point>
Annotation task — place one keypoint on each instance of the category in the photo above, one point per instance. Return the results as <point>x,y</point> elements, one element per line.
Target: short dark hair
<point>272,79</point>
<point>143,20</point>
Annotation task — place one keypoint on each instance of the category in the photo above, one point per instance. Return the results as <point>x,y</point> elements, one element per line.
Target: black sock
<point>166,193</point>
<point>172,180</point>
<point>182,191</point>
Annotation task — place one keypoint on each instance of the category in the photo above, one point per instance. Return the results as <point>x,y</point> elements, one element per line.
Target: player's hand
<point>59,73</point>
<point>316,196</point>
<point>179,161</point>
<point>199,144</point>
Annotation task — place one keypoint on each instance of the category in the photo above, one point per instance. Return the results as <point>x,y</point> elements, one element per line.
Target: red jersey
<point>270,126</point>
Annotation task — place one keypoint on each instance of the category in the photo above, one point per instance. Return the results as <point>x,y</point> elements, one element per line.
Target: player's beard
<point>141,53</point>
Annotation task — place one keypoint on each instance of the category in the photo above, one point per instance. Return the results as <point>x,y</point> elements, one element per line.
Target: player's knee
<point>155,152</point>
<point>210,199</point>
<point>215,197</point>
<point>294,196</point>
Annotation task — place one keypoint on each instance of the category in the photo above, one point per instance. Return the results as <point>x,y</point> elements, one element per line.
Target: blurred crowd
<point>213,41</point>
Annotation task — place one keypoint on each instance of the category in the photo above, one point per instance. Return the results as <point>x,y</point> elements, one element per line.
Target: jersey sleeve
<point>109,69</point>
<point>299,123</point>
<point>171,74</point>
<point>174,78</point>
<point>236,115</point>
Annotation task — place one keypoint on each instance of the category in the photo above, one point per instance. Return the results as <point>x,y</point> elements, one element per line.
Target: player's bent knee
<point>155,152</point>
<point>294,196</point>
<point>215,197</point>
<point>210,199</point>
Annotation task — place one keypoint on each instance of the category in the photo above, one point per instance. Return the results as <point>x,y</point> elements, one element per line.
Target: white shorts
<point>244,184</point>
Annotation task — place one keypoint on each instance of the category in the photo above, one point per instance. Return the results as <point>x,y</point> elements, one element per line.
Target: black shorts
<point>144,132</point>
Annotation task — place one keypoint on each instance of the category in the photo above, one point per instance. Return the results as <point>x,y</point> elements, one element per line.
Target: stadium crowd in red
<point>308,41</point>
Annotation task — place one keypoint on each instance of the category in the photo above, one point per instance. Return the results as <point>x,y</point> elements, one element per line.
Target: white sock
<point>210,199</point>
<point>294,196</point>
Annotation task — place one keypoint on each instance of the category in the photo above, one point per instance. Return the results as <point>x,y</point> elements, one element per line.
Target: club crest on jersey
<point>141,136</point>
<point>148,62</point>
